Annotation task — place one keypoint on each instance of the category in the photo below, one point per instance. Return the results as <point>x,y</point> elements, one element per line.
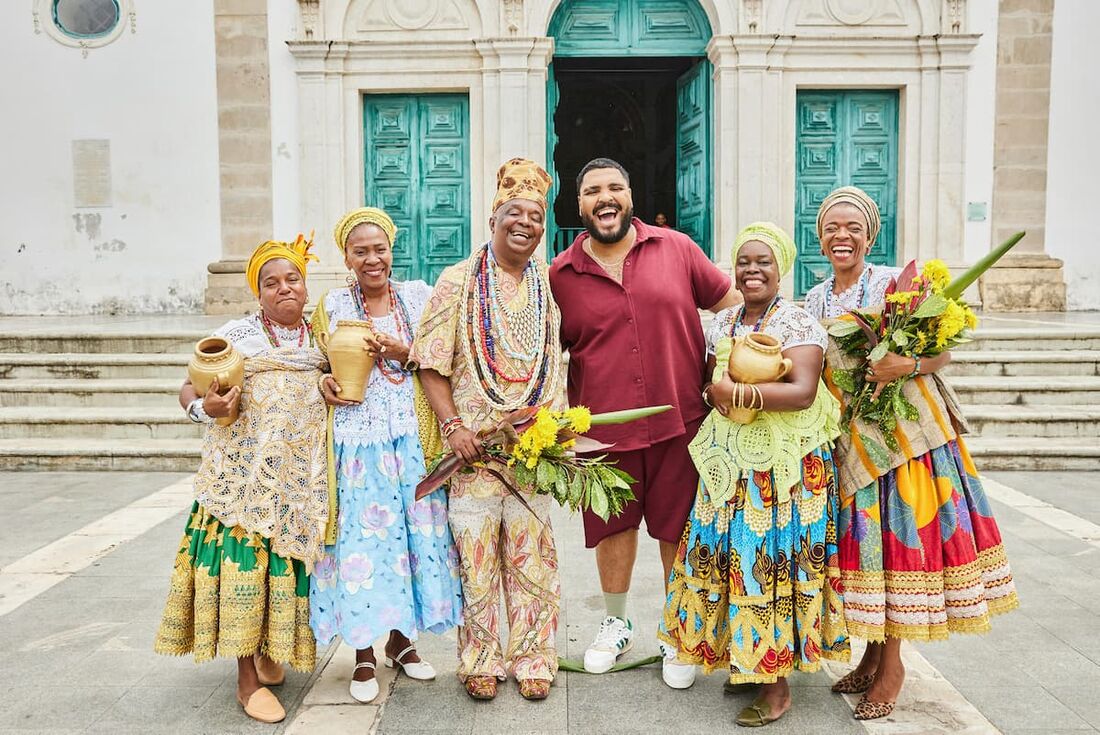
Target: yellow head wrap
<point>520,178</point>
<point>772,235</point>
<point>363,216</point>
<point>297,253</point>
<point>860,200</point>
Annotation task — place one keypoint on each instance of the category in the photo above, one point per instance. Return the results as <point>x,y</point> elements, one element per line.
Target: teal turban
<point>772,235</point>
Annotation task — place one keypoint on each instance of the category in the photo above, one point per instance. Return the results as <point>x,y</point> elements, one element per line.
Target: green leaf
<point>904,408</point>
<point>934,305</point>
<point>843,328</point>
<point>846,380</point>
<point>545,474</point>
<point>875,451</point>
<point>599,501</point>
<point>901,339</point>
<point>879,352</point>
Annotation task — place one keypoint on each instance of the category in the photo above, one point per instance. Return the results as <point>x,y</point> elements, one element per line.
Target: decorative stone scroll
<point>413,15</point>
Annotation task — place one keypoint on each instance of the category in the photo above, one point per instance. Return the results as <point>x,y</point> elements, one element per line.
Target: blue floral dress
<point>394,564</point>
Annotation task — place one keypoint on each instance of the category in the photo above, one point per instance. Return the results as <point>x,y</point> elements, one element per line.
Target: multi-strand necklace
<point>524,334</point>
<point>831,281</point>
<point>761,322</point>
<point>273,337</point>
<point>391,370</point>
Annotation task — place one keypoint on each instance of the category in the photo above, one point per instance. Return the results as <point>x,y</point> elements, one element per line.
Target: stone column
<point>244,148</point>
<point>1027,278</point>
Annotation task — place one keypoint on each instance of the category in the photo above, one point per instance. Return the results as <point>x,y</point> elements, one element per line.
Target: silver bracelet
<point>197,413</point>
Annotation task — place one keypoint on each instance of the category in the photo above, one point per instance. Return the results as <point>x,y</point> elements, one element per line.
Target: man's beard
<point>591,225</point>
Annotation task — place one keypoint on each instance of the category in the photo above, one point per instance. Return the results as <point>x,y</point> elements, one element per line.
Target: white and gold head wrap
<point>363,216</point>
<point>860,200</point>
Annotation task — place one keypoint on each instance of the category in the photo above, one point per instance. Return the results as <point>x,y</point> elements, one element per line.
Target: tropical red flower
<point>769,663</point>
<point>813,473</point>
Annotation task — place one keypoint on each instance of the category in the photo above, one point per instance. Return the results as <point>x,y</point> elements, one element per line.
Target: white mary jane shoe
<point>420,670</point>
<point>363,691</point>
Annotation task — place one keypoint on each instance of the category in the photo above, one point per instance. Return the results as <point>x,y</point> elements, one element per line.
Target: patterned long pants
<point>499,539</point>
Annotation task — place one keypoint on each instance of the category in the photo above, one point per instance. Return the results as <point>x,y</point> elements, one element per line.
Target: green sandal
<point>757,714</point>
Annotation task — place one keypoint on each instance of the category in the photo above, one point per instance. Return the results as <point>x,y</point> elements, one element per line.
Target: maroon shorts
<point>665,484</point>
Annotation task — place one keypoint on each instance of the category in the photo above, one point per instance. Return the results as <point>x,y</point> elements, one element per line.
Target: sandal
<point>534,689</point>
<point>420,670</point>
<point>481,687</point>
<point>757,714</point>
<point>868,710</point>
<point>853,683</point>
<point>270,673</point>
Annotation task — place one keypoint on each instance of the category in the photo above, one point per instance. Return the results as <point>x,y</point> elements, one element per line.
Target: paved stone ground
<point>78,656</point>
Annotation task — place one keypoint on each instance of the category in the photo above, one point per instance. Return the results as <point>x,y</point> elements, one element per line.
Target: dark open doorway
<point>622,108</point>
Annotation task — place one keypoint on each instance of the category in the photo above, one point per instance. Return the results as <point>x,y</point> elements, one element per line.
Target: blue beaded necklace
<point>860,302</point>
<point>759,322</point>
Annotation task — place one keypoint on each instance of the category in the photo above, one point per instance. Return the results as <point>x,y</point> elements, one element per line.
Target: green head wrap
<point>772,235</point>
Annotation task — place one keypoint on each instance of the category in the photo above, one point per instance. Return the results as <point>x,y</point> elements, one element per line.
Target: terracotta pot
<point>351,366</point>
<point>742,415</point>
<point>757,358</point>
<point>215,357</point>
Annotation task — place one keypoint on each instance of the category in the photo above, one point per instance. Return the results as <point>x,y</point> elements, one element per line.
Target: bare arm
<point>733,297</point>
<point>215,405</point>
<point>437,389</point>
<point>794,393</point>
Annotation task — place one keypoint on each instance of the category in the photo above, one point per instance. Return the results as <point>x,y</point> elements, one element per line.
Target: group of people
<point>778,538</point>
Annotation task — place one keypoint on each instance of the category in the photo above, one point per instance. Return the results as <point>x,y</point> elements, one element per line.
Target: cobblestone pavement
<point>80,599</point>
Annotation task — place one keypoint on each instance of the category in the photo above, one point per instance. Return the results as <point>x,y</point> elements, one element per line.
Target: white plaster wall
<point>152,94</point>
<point>980,103</point>
<point>282,26</point>
<point>1073,158</point>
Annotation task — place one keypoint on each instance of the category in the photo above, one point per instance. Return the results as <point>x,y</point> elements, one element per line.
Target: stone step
<point>147,455</point>
<point>1026,453</point>
<point>1073,390</point>
<point>108,392</point>
<point>1033,338</point>
<point>91,366</point>
<point>1037,422</point>
<point>124,422</point>
<point>92,342</point>
<point>1041,363</point>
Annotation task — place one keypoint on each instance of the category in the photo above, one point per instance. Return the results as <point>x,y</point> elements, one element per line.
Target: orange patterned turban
<point>520,178</point>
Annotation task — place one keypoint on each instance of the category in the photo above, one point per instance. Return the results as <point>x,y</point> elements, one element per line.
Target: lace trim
<point>790,324</point>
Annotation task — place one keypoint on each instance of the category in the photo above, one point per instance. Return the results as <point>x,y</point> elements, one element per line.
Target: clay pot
<point>351,365</point>
<point>757,358</point>
<point>215,357</point>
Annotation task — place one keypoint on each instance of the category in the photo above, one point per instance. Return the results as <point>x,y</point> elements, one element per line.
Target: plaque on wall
<point>92,173</point>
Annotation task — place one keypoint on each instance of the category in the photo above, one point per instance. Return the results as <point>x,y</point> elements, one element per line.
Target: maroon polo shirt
<point>640,343</point>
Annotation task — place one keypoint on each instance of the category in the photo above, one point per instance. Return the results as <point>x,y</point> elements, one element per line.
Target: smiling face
<point>282,292</point>
<point>517,228</point>
<point>844,237</point>
<point>606,205</point>
<point>368,255</point>
<point>756,273</point>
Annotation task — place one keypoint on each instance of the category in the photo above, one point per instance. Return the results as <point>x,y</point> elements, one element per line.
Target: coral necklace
<point>392,370</point>
<point>273,338</point>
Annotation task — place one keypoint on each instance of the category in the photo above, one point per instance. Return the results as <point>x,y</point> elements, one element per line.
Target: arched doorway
<point>630,80</point>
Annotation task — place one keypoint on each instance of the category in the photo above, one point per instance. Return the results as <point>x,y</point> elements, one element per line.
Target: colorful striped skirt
<point>920,552</point>
<point>231,597</point>
<point>755,582</point>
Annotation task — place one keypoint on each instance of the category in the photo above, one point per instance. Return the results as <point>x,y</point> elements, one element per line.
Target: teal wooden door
<point>417,168</point>
<point>629,28</point>
<point>693,200</point>
<point>844,137</point>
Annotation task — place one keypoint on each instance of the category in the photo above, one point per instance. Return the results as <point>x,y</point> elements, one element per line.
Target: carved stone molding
<point>752,13</point>
<point>310,11</point>
<point>852,13</point>
<point>412,15</point>
<point>513,17</point>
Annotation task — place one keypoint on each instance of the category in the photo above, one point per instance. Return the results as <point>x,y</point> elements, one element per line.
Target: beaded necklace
<point>521,325</point>
<point>273,338</point>
<point>391,370</point>
<point>484,323</point>
<point>831,281</point>
<point>761,322</point>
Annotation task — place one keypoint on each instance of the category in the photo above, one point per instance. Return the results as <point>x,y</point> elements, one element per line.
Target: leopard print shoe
<point>868,710</point>
<point>853,683</point>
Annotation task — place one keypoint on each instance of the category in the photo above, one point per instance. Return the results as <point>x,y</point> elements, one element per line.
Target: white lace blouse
<point>822,303</point>
<point>248,337</point>
<point>386,412</point>
<point>790,324</point>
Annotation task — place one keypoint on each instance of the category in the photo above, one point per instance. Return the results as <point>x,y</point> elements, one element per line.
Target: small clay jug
<point>351,365</point>
<point>756,358</point>
<point>215,357</point>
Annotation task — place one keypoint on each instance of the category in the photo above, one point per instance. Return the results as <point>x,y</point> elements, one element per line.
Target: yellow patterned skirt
<point>231,597</point>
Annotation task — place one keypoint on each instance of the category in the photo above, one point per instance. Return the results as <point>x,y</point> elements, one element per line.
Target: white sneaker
<point>615,638</point>
<point>676,674</point>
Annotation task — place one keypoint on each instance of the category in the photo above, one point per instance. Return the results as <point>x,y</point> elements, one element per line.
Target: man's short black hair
<point>596,163</point>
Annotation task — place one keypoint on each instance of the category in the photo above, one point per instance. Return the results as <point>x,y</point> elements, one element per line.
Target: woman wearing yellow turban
<point>389,564</point>
<point>240,586</point>
<point>761,540</point>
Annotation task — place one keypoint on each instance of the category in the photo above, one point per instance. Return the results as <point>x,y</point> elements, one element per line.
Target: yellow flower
<point>937,273</point>
<point>901,297</point>
<point>922,342</point>
<point>541,435</point>
<point>950,323</point>
<point>579,418</point>
<point>971,318</point>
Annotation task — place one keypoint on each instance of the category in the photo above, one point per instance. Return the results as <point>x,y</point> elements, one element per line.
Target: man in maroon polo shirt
<point>629,295</point>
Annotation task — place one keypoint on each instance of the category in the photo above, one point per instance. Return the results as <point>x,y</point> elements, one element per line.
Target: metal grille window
<point>86,18</point>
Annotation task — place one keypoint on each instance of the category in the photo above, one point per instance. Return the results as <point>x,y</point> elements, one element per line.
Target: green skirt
<point>231,597</point>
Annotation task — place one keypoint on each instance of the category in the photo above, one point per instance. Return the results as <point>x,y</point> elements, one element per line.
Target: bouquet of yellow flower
<point>540,446</point>
<point>924,315</point>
